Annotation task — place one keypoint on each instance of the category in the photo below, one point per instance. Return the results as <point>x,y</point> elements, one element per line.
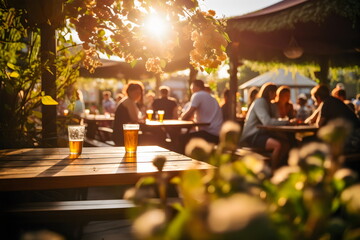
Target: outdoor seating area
<point>173,119</point>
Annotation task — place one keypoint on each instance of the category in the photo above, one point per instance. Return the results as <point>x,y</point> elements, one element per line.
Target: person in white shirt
<point>204,108</point>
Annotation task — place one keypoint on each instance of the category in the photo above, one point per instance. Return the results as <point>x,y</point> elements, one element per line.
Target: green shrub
<point>311,198</point>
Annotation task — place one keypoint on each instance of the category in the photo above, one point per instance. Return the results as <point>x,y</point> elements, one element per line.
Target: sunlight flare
<point>157,26</point>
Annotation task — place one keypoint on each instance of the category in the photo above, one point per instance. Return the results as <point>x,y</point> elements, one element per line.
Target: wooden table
<point>52,168</point>
<point>294,133</point>
<point>174,129</point>
<point>175,124</point>
<point>94,121</point>
<point>289,129</point>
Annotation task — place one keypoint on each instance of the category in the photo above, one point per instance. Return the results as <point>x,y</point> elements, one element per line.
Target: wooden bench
<point>67,218</point>
<point>65,211</point>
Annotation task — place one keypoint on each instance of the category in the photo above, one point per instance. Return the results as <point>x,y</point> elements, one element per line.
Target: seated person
<point>204,108</point>
<point>225,108</point>
<point>108,103</point>
<point>339,93</point>
<point>282,107</point>
<point>302,110</point>
<point>331,108</point>
<point>253,93</point>
<point>127,110</point>
<point>260,114</point>
<point>166,103</point>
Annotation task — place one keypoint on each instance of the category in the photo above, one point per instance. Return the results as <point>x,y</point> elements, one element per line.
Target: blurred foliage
<point>20,75</point>
<point>111,27</point>
<point>311,198</point>
<point>345,74</point>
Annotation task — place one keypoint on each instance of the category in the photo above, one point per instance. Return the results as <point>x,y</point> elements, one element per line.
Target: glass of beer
<point>131,132</point>
<point>244,111</point>
<point>76,138</point>
<point>149,114</point>
<point>161,115</point>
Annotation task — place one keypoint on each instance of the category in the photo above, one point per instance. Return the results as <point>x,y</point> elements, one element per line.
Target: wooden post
<point>48,84</point>
<point>234,63</point>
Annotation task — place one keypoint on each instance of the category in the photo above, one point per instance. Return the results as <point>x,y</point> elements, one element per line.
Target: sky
<point>230,8</point>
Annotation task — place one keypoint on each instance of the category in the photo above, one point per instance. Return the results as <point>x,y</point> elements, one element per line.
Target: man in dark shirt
<point>166,103</point>
<point>332,108</point>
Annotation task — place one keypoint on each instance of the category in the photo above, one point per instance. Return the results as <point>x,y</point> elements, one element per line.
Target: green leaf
<point>145,181</point>
<point>11,66</point>
<point>48,100</point>
<point>175,180</point>
<point>176,227</point>
<point>101,33</point>
<point>14,74</point>
<point>210,70</point>
<point>133,63</point>
<point>37,114</point>
<point>226,37</point>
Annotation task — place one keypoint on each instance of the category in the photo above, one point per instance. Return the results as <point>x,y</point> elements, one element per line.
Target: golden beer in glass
<point>244,111</point>
<point>131,133</point>
<point>76,138</point>
<point>149,114</point>
<point>76,147</point>
<point>161,115</point>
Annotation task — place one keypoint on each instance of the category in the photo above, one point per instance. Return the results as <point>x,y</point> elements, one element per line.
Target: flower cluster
<point>91,60</point>
<point>153,65</point>
<point>117,27</point>
<point>209,44</point>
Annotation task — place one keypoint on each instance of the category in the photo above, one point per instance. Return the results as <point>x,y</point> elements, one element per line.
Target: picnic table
<point>173,128</point>
<point>290,128</point>
<point>294,133</point>
<point>54,168</point>
<point>95,121</point>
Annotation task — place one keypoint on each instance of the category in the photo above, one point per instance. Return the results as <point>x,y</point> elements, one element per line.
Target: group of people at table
<point>271,106</point>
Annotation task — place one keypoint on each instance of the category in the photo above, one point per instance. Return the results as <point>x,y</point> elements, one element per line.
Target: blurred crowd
<point>268,105</point>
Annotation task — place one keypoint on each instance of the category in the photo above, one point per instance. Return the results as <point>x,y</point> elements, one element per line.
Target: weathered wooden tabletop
<point>54,168</point>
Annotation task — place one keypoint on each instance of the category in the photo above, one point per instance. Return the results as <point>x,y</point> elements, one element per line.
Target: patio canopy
<point>280,77</point>
<point>325,30</point>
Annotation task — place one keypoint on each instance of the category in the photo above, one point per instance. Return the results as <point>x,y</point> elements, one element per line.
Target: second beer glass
<point>131,132</point>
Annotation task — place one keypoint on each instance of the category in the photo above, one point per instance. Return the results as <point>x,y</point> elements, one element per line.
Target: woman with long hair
<point>282,107</point>
<point>260,114</point>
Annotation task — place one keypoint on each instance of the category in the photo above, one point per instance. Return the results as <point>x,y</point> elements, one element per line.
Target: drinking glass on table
<point>76,138</point>
<point>149,114</point>
<point>161,115</point>
<point>244,111</point>
<point>131,133</point>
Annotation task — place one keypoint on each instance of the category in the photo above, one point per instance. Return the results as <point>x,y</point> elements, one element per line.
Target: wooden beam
<point>48,84</point>
<point>234,63</point>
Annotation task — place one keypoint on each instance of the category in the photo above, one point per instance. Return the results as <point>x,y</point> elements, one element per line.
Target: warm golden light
<point>156,25</point>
